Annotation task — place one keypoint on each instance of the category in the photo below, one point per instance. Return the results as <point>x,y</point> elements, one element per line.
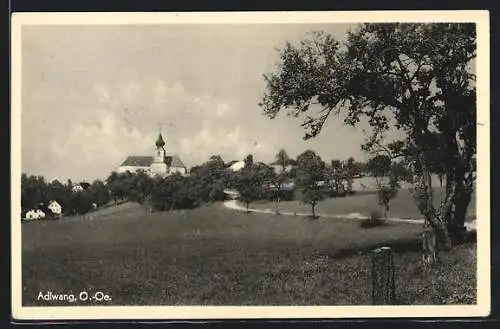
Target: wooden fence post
<point>383,283</point>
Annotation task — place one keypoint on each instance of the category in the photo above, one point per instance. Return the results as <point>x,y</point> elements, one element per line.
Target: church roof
<point>176,162</point>
<point>138,161</point>
<point>146,161</point>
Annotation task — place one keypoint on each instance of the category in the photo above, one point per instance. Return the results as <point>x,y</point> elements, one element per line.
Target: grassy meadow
<point>216,256</point>
<point>402,206</point>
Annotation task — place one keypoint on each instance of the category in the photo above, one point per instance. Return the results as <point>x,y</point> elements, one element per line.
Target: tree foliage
<point>379,165</point>
<point>174,192</point>
<point>212,177</point>
<point>335,176</point>
<point>310,176</point>
<point>117,184</point>
<point>251,181</point>
<point>99,193</point>
<point>283,175</point>
<point>349,171</point>
<point>413,78</point>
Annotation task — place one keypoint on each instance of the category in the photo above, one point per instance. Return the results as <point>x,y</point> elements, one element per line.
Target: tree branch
<point>419,66</point>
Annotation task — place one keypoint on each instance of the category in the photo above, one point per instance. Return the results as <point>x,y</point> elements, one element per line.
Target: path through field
<point>233,204</point>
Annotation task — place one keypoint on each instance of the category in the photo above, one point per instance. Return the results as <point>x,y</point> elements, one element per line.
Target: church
<point>158,164</point>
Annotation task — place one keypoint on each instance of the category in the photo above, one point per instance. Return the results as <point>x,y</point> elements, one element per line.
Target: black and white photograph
<point>250,165</point>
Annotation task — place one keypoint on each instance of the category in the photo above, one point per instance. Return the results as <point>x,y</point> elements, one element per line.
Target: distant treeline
<point>308,175</point>
<point>36,193</point>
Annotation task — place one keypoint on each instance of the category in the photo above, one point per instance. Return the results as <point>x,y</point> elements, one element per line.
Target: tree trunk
<point>456,225</point>
<point>458,197</point>
<point>439,226</point>
<point>451,216</point>
<point>278,204</point>
<point>424,196</point>
<point>313,212</point>
<point>458,194</point>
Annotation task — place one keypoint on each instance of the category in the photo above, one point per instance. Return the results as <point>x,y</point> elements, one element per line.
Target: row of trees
<point>206,183</point>
<point>255,181</point>
<point>314,180</point>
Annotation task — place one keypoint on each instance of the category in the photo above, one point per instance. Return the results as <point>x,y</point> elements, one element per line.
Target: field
<point>403,206</point>
<point>215,256</point>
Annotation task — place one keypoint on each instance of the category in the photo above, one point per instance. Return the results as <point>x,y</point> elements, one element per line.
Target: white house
<point>238,165</point>
<point>279,168</point>
<point>55,207</point>
<point>35,214</point>
<point>40,213</point>
<point>77,188</point>
<point>31,214</point>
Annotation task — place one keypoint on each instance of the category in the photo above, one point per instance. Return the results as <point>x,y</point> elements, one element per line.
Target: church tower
<point>159,165</point>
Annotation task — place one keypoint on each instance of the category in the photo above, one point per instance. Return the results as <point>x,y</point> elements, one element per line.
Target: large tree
<point>139,187</point>
<point>58,192</point>
<point>251,181</point>
<point>379,166</point>
<point>387,179</point>
<point>349,170</point>
<point>33,191</point>
<point>118,184</point>
<point>335,177</point>
<point>283,160</point>
<point>310,176</point>
<point>212,177</point>
<point>417,79</point>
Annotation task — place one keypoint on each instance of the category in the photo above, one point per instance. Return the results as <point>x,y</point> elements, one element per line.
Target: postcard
<point>243,165</point>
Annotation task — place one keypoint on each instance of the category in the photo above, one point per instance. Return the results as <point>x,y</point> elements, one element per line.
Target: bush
<point>374,220</point>
<point>175,192</point>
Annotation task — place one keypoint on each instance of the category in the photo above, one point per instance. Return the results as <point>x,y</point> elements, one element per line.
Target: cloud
<point>90,147</point>
<point>225,142</point>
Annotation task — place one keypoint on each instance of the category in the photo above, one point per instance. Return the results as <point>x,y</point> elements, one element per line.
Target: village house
<point>34,214</point>
<point>77,188</point>
<point>236,165</point>
<point>55,208</point>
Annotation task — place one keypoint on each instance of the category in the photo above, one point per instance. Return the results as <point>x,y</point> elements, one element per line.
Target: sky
<point>92,95</point>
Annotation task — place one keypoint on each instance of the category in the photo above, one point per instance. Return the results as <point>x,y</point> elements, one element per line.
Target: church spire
<point>159,155</point>
<point>160,142</point>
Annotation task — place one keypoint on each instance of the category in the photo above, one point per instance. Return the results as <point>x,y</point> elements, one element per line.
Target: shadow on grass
<point>399,246</point>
